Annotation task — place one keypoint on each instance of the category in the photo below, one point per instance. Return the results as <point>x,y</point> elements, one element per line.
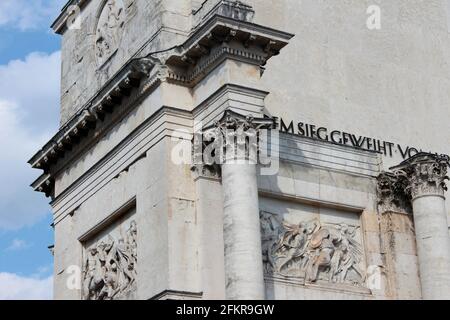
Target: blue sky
<point>29,115</point>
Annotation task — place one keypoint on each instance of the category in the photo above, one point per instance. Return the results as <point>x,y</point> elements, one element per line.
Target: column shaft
<point>433,246</point>
<point>425,175</point>
<point>242,234</point>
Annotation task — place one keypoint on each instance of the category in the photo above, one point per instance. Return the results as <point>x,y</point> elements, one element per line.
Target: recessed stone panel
<point>312,246</point>
<point>110,261</point>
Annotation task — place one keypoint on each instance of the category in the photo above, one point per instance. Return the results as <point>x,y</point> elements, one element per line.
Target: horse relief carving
<point>312,251</point>
<point>109,30</point>
<point>109,270</point>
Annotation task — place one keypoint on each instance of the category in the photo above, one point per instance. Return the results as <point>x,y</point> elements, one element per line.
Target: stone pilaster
<point>425,175</point>
<point>397,233</point>
<point>234,145</point>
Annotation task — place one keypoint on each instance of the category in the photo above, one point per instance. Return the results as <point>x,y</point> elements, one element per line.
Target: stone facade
<point>174,176</point>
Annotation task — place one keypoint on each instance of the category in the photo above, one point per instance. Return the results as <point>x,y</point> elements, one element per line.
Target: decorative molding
<point>110,219</point>
<point>107,101</point>
<point>123,155</point>
<point>109,270</point>
<point>45,184</point>
<point>312,252</point>
<point>218,39</point>
<point>425,174</point>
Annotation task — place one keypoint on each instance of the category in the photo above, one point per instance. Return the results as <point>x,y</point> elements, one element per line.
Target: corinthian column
<point>426,175</point>
<point>236,149</point>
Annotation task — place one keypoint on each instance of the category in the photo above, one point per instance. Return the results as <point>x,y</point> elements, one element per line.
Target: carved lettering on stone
<point>109,269</point>
<point>313,251</point>
<point>109,30</point>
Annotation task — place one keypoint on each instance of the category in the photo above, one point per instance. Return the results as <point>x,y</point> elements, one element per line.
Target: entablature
<point>216,40</point>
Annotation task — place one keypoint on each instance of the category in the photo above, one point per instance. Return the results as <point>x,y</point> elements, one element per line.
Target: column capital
<point>234,138</point>
<point>392,196</point>
<point>425,173</point>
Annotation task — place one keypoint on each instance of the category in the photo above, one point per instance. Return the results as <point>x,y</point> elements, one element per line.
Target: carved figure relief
<point>313,251</point>
<point>109,30</point>
<point>109,270</point>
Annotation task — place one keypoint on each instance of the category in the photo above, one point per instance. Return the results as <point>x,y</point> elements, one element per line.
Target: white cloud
<point>33,85</point>
<point>29,92</point>
<point>18,244</point>
<point>26,14</point>
<point>15,287</point>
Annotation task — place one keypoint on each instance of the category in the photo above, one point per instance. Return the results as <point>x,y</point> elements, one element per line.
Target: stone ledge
<point>177,295</point>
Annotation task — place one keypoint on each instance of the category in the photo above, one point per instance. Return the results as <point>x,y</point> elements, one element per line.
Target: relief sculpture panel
<point>109,30</point>
<point>312,251</point>
<point>109,268</point>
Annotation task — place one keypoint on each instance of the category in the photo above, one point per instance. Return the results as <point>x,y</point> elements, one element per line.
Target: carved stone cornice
<point>214,41</point>
<point>392,194</point>
<point>105,101</point>
<point>222,38</point>
<point>425,174</point>
<point>44,184</point>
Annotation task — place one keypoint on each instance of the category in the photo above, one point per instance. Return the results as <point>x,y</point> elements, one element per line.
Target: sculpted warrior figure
<point>312,250</point>
<point>336,252</point>
<point>110,267</point>
<point>293,244</point>
<point>323,248</point>
<point>270,229</point>
<point>92,274</point>
<point>126,264</point>
<point>351,255</point>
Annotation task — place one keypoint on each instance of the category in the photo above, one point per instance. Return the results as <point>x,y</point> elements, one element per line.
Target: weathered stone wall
<point>400,255</point>
<point>147,26</point>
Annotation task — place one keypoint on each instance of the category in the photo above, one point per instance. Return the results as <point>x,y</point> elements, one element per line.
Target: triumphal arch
<point>225,149</point>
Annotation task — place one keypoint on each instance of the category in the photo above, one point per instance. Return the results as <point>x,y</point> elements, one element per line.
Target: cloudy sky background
<point>29,102</point>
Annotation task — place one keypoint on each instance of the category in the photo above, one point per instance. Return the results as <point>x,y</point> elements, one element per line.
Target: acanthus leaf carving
<point>425,173</point>
<point>234,137</point>
<point>392,194</point>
